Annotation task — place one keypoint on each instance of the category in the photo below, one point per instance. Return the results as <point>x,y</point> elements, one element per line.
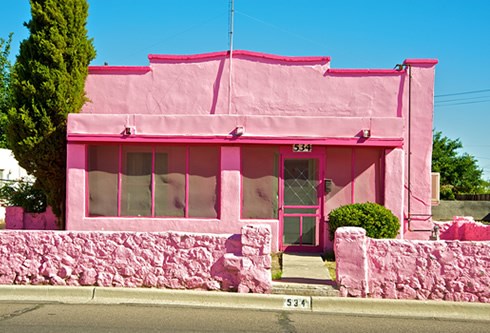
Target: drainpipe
<point>409,145</point>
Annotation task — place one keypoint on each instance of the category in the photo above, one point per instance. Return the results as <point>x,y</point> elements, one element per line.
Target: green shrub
<point>447,192</point>
<point>23,194</point>
<point>378,221</point>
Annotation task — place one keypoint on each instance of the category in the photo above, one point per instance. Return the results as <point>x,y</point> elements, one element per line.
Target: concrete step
<point>305,289</point>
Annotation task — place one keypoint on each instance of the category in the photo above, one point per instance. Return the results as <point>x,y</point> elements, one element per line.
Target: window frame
<point>154,150</point>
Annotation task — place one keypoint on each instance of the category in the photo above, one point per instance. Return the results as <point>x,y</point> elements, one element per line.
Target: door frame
<point>286,152</point>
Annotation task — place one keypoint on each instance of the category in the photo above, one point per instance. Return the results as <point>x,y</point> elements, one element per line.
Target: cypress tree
<point>5,69</point>
<point>47,84</point>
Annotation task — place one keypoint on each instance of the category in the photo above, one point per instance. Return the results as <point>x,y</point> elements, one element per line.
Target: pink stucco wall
<point>239,262</point>
<point>278,101</point>
<point>16,218</point>
<point>463,228</point>
<point>405,269</point>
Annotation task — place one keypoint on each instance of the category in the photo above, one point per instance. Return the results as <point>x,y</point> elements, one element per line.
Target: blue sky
<point>356,34</point>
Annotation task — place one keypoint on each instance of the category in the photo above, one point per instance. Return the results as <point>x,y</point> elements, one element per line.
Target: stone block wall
<point>17,219</point>
<point>404,269</point>
<point>463,228</point>
<point>239,262</point>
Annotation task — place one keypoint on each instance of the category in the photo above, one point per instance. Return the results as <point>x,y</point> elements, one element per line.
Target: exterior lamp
<point>239,131</point>
<point>366,133</point>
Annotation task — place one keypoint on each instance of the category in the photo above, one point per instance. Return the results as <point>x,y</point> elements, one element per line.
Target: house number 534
<point>302,148</point>
<point>297,302</point>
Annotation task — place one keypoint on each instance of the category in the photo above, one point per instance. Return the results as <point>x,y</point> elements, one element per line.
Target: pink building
<point>199,143</point>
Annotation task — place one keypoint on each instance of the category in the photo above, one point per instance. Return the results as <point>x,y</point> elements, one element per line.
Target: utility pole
<point>230,70</point>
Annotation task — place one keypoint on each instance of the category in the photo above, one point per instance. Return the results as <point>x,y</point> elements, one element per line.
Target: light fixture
<point>239,131</point>
<point>366,133</point>
<point>129,130</point>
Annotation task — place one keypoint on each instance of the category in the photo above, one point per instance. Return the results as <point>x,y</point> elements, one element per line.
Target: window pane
<point>309,230</point>
<point>300,182</point>
<point>203,181</point>
<point>291,230</point>
<point>260,183</point>
<point>136,181</point>
<point>103,170</point>
<point>170,181</point>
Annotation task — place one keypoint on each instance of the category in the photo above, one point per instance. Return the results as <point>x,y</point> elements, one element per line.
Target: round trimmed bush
<point>378,221</point>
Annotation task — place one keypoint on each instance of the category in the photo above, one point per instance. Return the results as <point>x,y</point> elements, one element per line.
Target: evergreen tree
<point>48,81</point>
<point>5,95</point>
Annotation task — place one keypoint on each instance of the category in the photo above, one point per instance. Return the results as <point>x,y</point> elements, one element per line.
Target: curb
<point>459,311</point>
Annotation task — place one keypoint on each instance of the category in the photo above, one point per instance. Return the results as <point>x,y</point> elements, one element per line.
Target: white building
<point>9,170</point>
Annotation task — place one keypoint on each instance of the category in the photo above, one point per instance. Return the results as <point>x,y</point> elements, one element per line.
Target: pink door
<point>301,202</point>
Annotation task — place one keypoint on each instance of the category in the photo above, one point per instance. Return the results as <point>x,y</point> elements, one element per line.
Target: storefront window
<point>159,181</point>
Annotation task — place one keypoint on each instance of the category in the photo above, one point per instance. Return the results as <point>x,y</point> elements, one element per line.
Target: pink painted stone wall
<point>127,259</point>
<point>404,269</point>
<point>17,219</point>
<point>463,228</point>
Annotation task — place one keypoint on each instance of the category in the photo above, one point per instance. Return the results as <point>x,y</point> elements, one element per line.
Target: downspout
<point>409,146</point>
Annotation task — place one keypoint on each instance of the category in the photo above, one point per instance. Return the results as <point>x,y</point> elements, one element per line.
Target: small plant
<point>330,264</point>
<point>378,221</point>
<point>23,194</point>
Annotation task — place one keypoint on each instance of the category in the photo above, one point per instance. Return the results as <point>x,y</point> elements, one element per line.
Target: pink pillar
<point>75,187</point>
<point>351,259</point>
<point>420,127</point>
<point>230,185</point>
<point>394,191</point>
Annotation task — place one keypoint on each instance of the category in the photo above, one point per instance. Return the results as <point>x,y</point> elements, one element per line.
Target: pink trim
<point>187,167</point>
<point>184,57</point>
<point>301,230</point>
<point>236,53</point>
<point>301,214</point>
<point>118,69</point>
<point>218,185</point>
<point>286,153</point>
<point>420,61</point>
<point>119,182</point>
<point>303,207</point>
<point>153,153</point>
<point>319,59</point>
<point>365,71</point>
<point>280,203</point>
<point>371,142</point>
<point>87,188</point>
<point>241,188</point>
<point>352,175</point>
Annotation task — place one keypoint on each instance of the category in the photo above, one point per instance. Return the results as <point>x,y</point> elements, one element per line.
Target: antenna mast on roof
<point>230,29</point>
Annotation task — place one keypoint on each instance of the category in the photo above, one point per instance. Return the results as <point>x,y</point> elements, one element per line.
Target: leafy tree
<point>48,81</point>
<point>5,69</point>
<point>459,172</point>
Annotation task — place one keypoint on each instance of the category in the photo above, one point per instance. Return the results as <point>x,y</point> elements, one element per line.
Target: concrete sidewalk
<point>161,297</point>
<point>304,274</point>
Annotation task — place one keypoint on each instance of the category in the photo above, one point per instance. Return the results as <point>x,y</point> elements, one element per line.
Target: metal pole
<point>230,70</point>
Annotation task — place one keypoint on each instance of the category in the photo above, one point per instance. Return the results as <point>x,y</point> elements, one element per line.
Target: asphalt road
<point>43,318</point>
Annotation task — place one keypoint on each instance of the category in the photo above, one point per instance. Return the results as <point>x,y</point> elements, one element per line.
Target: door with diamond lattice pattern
<point>301,204</point>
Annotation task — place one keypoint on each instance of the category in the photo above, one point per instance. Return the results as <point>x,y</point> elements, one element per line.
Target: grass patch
<point>329,259</point>
<point>276,266</point>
